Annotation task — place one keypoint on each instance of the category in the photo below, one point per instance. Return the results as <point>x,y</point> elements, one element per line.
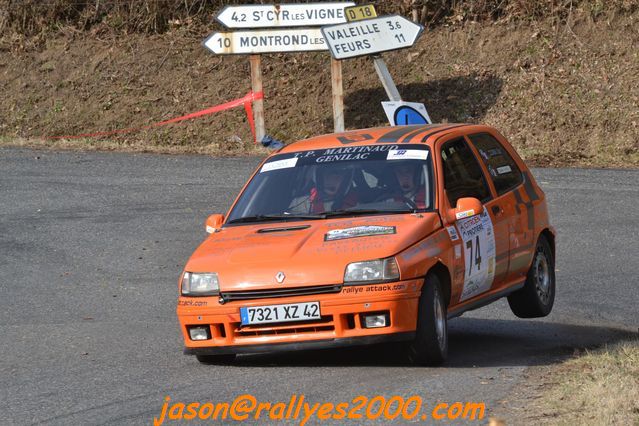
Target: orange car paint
<point>247,260</point>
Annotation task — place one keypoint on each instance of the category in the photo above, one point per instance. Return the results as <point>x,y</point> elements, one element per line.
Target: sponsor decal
<point>503,170</point>
<point>407,154</point>
<point>478,239</point>
<point>452,232</point>
<point>495,152</point>
<point>359,231</point>
<point>351,153</point>
<point>192,303</point>
<point>374,288</point>
<point>348,246</point>
<point>279,164</point>
<point>348,153</point>
<point>465,214</point>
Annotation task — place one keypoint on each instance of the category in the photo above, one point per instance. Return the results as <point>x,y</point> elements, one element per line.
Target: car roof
<point>422,133</point>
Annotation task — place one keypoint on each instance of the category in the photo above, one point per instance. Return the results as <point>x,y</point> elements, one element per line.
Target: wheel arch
<point>550,237</point>
<point>443,274</point>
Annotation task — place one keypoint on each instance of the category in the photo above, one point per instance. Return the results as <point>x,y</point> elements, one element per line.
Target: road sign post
<point>386,79</point>
<point>338,95</point>
<point>258,104</point>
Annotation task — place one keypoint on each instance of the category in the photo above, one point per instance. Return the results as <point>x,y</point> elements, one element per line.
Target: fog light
<point>376,320</point>
<point>200,333</point>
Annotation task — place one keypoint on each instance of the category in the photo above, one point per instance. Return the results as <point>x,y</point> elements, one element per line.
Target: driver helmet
<point>334,179</point>
<point>407,175</point>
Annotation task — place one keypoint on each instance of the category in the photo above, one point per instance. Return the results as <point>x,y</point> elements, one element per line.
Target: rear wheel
<point>537,296</point>
<point>223,359</point>
<point>430,346</point>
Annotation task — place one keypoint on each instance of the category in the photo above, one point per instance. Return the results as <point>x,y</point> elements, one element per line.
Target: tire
<point>537,297</point>
<point>430,346</point>
<point>223,359</point>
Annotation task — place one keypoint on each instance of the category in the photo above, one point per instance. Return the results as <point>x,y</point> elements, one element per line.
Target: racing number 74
<point>477,258</point>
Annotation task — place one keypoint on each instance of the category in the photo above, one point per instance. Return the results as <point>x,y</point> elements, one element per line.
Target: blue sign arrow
<point>405,115</point>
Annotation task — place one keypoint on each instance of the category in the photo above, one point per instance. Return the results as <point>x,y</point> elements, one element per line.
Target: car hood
<point>248,257</point>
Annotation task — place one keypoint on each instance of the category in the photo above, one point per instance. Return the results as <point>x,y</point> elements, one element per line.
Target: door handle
<point>497,211</point>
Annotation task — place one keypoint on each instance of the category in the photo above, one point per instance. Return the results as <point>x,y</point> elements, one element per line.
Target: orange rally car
<point>370,236</point>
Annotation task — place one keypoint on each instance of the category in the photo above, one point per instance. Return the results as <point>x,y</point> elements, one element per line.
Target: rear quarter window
<point>502,168</point>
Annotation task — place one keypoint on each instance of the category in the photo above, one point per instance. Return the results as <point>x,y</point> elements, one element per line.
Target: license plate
<point>280,313</point>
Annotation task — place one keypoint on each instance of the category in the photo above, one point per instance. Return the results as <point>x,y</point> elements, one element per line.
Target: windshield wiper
<point>362,212</point>
<point>273,217</point>
<point>323,215</point>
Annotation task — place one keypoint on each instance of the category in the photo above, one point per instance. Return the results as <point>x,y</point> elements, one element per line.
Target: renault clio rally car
<point>368,236</point>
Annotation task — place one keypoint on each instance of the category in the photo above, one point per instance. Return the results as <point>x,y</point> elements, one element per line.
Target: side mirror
<point>214,222</point>
<point>467,207</point>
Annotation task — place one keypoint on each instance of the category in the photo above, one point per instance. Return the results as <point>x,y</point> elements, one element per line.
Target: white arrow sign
<point>268,41</point>
<point>371,36</point>
<point>283,15</point>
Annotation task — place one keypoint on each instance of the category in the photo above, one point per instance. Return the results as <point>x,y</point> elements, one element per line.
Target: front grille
<point>231,296</point>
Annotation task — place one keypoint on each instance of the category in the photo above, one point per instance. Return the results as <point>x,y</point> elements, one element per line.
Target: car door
<point>499,213</point>
<point>474,237</point>
<point>505,177</point>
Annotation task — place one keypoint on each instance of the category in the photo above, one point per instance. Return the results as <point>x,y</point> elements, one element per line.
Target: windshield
<point>346,181</point>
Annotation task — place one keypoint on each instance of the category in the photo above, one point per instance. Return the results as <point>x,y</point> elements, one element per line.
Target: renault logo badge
<point>280,277</point>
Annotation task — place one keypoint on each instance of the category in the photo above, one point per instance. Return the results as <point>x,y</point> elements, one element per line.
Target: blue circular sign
<point>408,115</point>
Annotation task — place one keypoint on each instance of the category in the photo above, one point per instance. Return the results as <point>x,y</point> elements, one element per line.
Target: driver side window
<point>462,173</point>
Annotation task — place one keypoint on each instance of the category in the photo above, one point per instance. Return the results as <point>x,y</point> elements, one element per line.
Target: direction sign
<point>371,36</point>
<point>267,41</point>
<point>283,15</point>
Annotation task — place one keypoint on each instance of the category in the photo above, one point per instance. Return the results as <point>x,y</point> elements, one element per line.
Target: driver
<point>334,191</point>
<point>407,175</point>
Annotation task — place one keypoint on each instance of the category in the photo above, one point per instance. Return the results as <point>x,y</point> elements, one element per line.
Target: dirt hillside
<point>565,92</point>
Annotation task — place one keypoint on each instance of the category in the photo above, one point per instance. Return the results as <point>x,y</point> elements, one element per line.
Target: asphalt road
<point>91,245</point>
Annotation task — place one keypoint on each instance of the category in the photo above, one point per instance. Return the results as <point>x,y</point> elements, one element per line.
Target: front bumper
<point>302,346</point>
<point>341,323</point>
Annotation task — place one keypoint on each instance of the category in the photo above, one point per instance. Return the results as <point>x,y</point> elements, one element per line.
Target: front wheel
<point>537,296</point>
<point>430,346</point>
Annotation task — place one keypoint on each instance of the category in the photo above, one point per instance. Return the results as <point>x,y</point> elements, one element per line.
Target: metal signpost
<point>274,36</point>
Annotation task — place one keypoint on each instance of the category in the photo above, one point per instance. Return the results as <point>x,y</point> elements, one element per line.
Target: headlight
<point>371,270</point>
<point>194,284</point>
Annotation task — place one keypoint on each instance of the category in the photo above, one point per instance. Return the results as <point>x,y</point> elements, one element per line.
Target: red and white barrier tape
<point>247,101</point>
